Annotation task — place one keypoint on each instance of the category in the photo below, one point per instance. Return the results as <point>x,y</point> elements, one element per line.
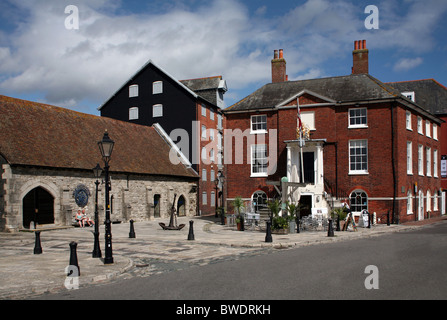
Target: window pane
<point>157,87</point>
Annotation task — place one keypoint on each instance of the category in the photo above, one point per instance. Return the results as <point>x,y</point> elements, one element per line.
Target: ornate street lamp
<point>106,148</point>
<point>96,249</point>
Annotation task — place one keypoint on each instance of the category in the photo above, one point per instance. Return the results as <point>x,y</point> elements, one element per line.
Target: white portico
<point>305,165</point>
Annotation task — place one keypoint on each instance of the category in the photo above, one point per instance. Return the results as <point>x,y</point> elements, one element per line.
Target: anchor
<point>173,221</point>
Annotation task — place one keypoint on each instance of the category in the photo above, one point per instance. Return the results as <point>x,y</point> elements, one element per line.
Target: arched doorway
<point>157,206</point>
<point>181,206</point>
<point>259,200</point>
<point>38,205</point>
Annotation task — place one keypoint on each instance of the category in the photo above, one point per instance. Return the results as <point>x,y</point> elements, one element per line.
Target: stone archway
<point>38,206</point>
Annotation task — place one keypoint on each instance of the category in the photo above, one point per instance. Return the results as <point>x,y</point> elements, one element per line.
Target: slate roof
<point>358,87</point>
<point>354,88</point>
<point>37,134</point>
<point>429,94</point>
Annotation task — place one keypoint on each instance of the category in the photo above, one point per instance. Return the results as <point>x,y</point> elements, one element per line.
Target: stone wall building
<point>47,155</point>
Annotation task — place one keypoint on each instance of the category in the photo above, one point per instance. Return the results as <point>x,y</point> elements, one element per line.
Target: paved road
<point>410,265</point>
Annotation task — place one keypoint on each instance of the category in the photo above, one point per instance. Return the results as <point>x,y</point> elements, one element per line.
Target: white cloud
<point>93,62</point>
<point>406,64</point>
<point>215,37</point>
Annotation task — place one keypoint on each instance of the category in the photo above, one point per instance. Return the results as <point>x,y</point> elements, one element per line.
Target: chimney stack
<point>360,63</point>
<point>279,67</point>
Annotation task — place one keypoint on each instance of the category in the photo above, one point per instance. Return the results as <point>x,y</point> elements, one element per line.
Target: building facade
<point>432,96</point>
<point>47,155</point>
<point>361,140</point>
<point>189,111</point>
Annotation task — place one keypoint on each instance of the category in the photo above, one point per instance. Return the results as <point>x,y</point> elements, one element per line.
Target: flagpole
<point>300,127</point>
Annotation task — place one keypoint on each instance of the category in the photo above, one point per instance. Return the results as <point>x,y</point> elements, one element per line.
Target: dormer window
<point>409,95</point>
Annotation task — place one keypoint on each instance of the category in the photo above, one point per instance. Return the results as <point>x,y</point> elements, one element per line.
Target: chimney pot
<point>360,63</point>
<point>279,67</point>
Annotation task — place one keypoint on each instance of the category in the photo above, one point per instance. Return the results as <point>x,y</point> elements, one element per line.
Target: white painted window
<point>258,123</point>
<point>203,110</point>
<point>420,129</point>
<point>428,161</point>
<point>308,119</point>
<point>435,131</point>
<point>358,156</point>
<point>203,174</point>
<point>157,110</point>
<point>421,160</point>
<point>410,95</point>
<point>133,91</point>
<point>408,120</point>
<point>427,128</point>
<point>409,157</point>
<point>358,118</point>
<point>259,160</point>
<point>133,113</point>
<point>204,198</point>
<point>157,87</point>
<point>213,199</point>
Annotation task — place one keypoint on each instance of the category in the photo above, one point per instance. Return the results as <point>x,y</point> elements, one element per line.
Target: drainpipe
<point>395,218</point>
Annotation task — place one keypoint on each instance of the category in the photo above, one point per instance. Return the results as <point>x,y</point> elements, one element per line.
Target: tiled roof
<point>37,134</point>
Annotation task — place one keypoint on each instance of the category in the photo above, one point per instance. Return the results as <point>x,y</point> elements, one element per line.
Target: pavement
<point>24,274</point>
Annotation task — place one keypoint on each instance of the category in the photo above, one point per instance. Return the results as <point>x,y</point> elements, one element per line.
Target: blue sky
<point>42,60</point>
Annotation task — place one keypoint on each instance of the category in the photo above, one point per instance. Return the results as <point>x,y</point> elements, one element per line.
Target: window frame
<point>408,124</point>
<point>351,147</point>
<point>133,113</point>
<point>255,162</point>
<point>133,90</point>
<point>155,107</point>
<point>410,157</point>
<point>263,124</point>
<point>354,195</point>
<point>361,116</point>
<point>157,87</point>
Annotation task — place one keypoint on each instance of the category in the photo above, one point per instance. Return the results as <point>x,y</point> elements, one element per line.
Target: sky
<point>78,58</point>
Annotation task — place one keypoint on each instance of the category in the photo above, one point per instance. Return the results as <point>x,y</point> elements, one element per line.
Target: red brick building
<point>363,141</point>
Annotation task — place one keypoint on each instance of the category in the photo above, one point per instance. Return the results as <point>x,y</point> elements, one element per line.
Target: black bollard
<point>330,229</point>
<point>388,218</point>
<point>268,234</point>
<point>297,224</point>
<point>338,223</point>
<point>132,230</point>
<point>191,230</point>
<point>74,258</point>
<point>37,246</point>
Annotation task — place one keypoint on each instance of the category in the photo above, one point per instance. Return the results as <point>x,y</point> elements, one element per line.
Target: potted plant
<point>339,213</point>
<point>238,204</point>
<point>279,224</point>
<point>291,210</point>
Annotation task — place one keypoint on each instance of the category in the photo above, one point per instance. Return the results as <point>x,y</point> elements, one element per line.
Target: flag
<point>300,124</point>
